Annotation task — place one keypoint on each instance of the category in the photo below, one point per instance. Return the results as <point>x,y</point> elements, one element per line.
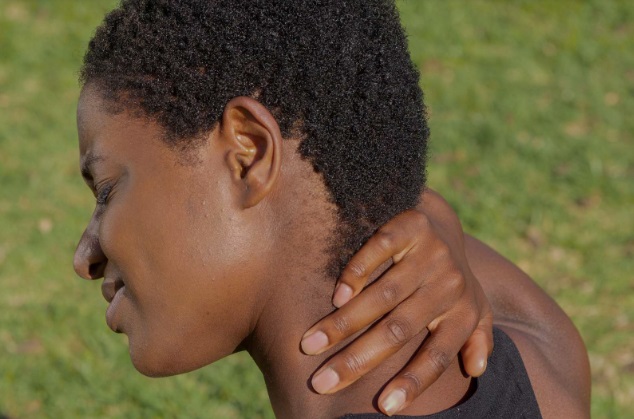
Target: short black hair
<point>339,71</point>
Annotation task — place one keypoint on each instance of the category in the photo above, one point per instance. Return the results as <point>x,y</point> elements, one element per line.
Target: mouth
<point>110,287</point>
<point>112,290</point>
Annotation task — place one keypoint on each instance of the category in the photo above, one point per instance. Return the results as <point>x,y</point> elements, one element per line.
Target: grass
<point>532,143</point>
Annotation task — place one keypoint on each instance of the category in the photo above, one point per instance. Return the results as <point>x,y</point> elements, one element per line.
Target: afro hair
<point>339,71</point>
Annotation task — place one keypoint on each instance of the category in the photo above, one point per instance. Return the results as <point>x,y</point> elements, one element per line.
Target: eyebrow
<point>87,163</point>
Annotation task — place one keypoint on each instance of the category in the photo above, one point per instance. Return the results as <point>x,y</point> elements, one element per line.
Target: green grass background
<point>531,108</point>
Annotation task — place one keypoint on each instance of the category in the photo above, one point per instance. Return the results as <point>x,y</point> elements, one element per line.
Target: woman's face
<point>166,239</point>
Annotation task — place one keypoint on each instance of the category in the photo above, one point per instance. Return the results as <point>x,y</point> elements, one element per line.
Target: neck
<point>298,295</point>
<point>275,347</point>
<point>287,371</point>
<point>299,299</point>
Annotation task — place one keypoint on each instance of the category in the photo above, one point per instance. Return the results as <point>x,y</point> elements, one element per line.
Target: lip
<point>109,288</point>
<point>112,290</point>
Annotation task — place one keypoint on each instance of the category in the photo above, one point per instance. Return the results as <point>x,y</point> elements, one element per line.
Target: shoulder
<point>551,348</point>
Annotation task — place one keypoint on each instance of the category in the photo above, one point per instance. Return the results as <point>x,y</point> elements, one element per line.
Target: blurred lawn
<point>531,106</point>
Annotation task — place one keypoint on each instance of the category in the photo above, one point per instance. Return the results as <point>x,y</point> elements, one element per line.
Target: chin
<point>154,360</point>
<point>151,370</point>
<point>155,367</point>
<point>159,360</point>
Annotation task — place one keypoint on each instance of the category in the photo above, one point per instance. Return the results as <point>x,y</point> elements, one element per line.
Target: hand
<point>429,285</point>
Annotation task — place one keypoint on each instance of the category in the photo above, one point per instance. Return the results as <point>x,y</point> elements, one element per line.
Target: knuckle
<point>385,239</point>
<point>341,324</point>
<point>398,332</point>
<point>412,384</point>
<point>439,361</point>
<point>355,363</point>
<point>388,294</point>
<point>423,221</point>
<point>454,279</point>
<point>442,250</point>
<point>356,269</point>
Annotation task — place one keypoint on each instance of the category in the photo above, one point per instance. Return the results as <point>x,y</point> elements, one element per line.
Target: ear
<point>254,141</point>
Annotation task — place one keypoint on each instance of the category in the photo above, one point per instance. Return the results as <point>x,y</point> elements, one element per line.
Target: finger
<point>386,243</point>
<point>474,354</point>
<point>378,299</point>
<point>380,342</point>
<point>478,347</point>
<point>436,355</point>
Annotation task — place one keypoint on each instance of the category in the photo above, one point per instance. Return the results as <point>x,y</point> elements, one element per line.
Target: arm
<point>432,253</point>
<point>553,352</point>
<point>555,356</point>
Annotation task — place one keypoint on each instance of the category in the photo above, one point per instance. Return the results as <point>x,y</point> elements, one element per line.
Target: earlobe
<point>254,144</point>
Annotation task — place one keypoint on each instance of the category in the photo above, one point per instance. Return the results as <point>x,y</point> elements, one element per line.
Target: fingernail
<point>483,366</point>
<point>343,294</point>
<point>314,343</point>
<point>394,401</point>
<point>325,380</point>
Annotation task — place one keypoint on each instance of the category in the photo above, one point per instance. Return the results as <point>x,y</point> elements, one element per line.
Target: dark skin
<point>552,349</point>
<point>192,266</point>
<point>465,309</point>
<point>422,242</point>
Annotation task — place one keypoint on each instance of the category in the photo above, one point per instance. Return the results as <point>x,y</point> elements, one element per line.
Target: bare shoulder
<point>552,350</point>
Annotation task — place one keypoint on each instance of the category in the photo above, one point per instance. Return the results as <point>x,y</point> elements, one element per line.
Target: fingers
<point>478,347</point>
<point>378,299</point>
<point>388,242</point>
<point>372,348</point>
<point>430,285</point>
<point>436,355</point>
<point>390,334</point>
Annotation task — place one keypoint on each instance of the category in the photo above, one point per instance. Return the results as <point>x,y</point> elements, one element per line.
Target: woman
<point>202,94</point>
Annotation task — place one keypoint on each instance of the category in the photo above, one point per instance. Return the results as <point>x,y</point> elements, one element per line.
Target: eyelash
<point>102,195</point>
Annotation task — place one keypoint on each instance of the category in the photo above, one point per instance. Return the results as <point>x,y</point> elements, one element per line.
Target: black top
<point>503,391</point>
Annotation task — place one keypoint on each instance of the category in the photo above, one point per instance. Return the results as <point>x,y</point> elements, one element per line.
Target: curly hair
<point>337,69</point>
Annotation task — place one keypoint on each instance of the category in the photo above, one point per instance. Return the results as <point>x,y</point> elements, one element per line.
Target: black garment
<point>503,391</point>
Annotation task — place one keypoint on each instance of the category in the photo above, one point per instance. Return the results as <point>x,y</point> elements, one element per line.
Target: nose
<point>89,261</point>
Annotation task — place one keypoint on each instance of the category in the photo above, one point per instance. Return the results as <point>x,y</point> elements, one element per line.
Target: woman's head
<point>222,83</point>
<point>183,254</point>
<point>336,73</point>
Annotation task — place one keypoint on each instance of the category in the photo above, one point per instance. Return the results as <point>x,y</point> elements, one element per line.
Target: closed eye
<point>102,194</point>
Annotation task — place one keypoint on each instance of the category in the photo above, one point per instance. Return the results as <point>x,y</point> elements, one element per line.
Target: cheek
<point>191,298</point>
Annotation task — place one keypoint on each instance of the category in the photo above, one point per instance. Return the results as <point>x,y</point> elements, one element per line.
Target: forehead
<point>91,118</point>
<point>103,126</point>
<point>115,136</point>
